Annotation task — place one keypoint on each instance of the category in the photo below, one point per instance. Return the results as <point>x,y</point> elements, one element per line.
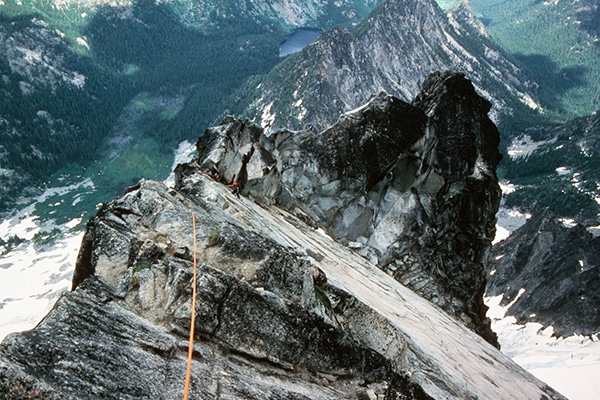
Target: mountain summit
<point>285,310</point>
<point>394,49</point>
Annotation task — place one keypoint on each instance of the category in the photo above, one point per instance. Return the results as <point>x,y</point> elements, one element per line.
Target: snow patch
<point>302,114</point>
<point>507,187</point>
<point>31,281</point>
<point>568,222</point>
<point>73,223</point>
<point>24,223</point>
<point>184,153</point>
<point>525,145</point>
<point>81,41</point>
<point>24,227</point>
<point>508,220</point>
<point>501,234</point>
<point>563,171</point>
<point>570,365</point>
<point>528,101</point>
<point>267,118</point>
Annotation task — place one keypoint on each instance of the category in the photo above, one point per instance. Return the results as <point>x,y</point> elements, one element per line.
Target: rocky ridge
<point>284,311</point>
<point>394,49</point>
<point>548,273</point>
<point>288,14</point>
<point>412,187</point>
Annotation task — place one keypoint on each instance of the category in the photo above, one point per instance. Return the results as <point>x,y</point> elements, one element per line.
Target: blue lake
<point>298,40</point>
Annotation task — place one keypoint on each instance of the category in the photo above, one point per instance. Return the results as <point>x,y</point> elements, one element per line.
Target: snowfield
<point>570,365</point>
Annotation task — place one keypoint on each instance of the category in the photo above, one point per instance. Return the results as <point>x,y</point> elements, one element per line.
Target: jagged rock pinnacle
<point>413,187</point>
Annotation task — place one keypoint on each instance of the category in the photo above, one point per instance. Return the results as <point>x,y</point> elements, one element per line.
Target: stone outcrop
<point>284,311</point>
<point>411,187</point>
<point>550,275</point>
<point>121,333</point>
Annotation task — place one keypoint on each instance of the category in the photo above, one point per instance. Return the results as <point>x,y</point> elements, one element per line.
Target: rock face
<point>131,309</point>
<point>394,49</point>
<point>283,310</point>
<point>550,275</point>
<point>411,187</point>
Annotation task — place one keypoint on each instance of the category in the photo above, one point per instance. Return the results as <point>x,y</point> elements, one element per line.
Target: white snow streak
<point>570,365</point>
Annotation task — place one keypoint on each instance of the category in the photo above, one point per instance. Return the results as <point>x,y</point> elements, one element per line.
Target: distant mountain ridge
<point>393,50</point>
<point>549,274</point>
<point>288,14</point>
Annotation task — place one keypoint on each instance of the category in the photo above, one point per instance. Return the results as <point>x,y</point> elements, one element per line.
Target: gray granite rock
<point>415,184</point>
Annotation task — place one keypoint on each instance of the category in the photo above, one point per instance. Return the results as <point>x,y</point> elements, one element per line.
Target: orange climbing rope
<point>191,346</point>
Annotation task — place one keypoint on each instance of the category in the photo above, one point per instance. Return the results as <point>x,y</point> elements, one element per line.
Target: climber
<point>213,173</point>
<point>235,189</point>
<point>309,127</point>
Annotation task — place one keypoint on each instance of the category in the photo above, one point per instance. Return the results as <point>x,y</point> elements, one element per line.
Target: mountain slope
<point>394,49</point>
<point>559,42</point>
<point>287,14</point>
<point>55,104</point>
<point>284,310</point>
<point>549,274</point>
<point>72,71</point>
<point>557,167</point>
